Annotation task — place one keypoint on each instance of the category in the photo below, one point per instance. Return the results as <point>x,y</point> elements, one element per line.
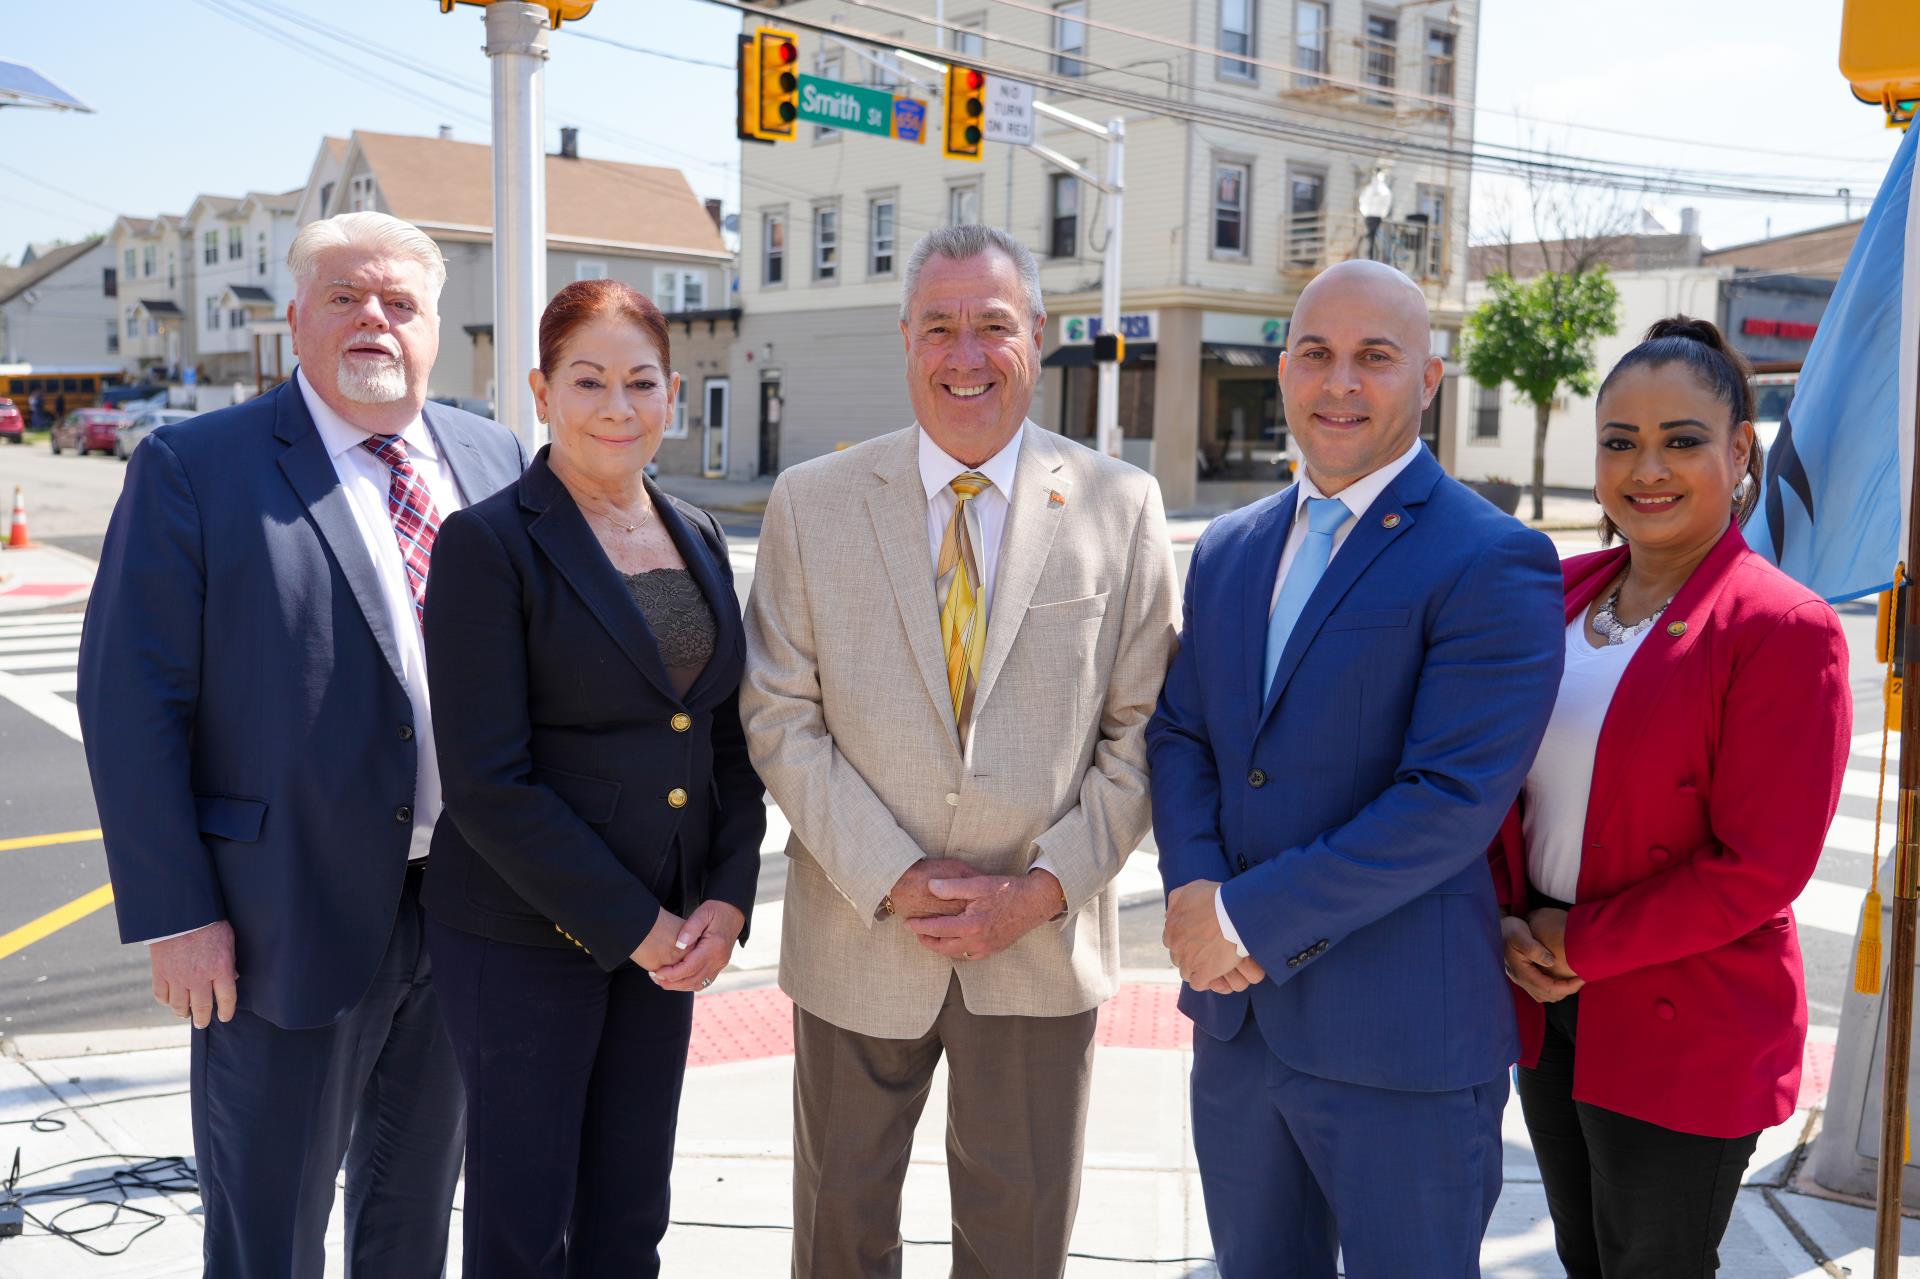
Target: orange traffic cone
<point>17,535</point>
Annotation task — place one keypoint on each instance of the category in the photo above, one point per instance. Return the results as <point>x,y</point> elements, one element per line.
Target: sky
<point>226,96</point>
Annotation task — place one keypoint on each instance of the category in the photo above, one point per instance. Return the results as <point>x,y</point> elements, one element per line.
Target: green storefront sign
<point>846,106</point>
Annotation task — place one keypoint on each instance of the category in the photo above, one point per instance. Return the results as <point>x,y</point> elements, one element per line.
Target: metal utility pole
<point>517,50</point>
<point>1107,409</point>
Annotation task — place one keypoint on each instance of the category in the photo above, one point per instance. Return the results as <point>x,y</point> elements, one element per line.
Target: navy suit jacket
<point>562,741</point>
<point>251,744</point>
<point>1347,812</point>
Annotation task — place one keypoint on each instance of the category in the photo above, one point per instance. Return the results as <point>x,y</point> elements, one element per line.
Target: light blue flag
<point>1834,503</point>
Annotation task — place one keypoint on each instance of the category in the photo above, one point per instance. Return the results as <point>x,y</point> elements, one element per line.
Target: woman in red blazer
<point>1678,806</point>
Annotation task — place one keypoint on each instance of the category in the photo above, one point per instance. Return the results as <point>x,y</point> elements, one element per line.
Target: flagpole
<point>1906,918</point>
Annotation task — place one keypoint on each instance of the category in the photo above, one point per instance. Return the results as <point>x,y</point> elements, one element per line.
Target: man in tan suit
<point>956,637</point>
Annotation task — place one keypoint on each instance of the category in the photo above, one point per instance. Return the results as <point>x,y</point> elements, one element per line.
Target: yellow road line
<point>54,920</point>
<point>41,841</point>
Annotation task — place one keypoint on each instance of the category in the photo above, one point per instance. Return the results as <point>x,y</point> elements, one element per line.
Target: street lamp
<point>1376,201</point>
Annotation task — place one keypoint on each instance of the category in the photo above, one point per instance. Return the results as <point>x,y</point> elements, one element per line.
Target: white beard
<point>372,382</point>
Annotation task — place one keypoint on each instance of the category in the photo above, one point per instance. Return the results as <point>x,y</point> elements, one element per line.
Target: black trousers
<point>1629,1199</point>
<point>573,1093</point>
<point>275,1112</point>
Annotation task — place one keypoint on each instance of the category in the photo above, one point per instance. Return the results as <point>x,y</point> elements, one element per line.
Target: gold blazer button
<point>1676,629</point>
<point>681,722</point>
<point>676,798</point>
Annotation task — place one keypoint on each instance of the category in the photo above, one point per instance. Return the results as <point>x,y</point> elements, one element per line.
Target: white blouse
<point>1554,808</point>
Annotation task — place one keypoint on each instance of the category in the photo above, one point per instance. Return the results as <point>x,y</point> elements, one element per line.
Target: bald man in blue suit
<point>1366,669</point>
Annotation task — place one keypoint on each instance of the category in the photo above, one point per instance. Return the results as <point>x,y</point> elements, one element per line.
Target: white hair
<point>379,233</point>
<point>962,242</point>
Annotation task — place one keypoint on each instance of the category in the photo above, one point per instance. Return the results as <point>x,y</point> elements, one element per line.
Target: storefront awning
<point>1240,355</point>
<point>1081,357</point>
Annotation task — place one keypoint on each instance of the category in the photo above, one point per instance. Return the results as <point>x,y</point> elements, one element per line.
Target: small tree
<point>1538,334</point>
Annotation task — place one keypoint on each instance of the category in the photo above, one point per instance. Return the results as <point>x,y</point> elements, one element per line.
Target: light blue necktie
<point>1325,515</point>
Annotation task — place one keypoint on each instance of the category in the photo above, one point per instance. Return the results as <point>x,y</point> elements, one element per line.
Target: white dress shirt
<point>365,478</point>
<point>938,469</point>
<point>1357,496</point>
<point>1553,817</point>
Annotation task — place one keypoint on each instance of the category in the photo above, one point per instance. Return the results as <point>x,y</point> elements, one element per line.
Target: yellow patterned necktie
<point>963,606</point>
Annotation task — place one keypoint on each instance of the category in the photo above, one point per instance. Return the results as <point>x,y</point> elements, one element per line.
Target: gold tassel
<point>1866,962</point>
<point>1866,958</point>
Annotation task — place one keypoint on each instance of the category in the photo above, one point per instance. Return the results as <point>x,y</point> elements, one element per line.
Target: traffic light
<point>1880,55</point>
<point>558,11</point>
<point>964,138</point>
<point>777,60</point>
<point>1109,348</point>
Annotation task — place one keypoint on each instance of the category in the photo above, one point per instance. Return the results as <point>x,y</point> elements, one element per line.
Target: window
<point>236,243</point>
<point>826,242</point>
<point>1379,51</point>
<point>109,282</point>
<point>1236,36</point>
<point>677,429</point>
<point>146,260</point>
<point>1440,63</point>
<point>153,327</point>
<point>133,322</point>
<point>326,194</point>
<point>693,290</point>
<point>1309,42</point>
<point>677,290</point>
<point>113,337</point>
<point>826,65</point>
<point>128,259</point>
<point>880,231</point>
<point>1230,209</point>
<point>213,313</point>
<point>1486,413</point>
<point>1431,220</point>
<point>1306,223</point>
<point>1069,37</point>
<point>773,241</point>
<point>237,318</point>
<point>360,194</point>
<point>172,268</point>
<point>210,247</point>
<point>1063,215</point>
<point>588,269</point>
<point>971,43</point>
<point>263,253</point>
<point>963,205</point>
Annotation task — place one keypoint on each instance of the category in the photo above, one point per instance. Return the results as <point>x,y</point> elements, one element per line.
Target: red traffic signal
<point>965,103</point>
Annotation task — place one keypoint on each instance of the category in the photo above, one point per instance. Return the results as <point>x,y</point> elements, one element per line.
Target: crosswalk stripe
<point>34,661</point>
<point>45,628</point>
<point>38,643</point>
<point>51,682</point>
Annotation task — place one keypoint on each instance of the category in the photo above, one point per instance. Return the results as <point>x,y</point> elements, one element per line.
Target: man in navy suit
<point>1367,666</point>
<point>253,696</point>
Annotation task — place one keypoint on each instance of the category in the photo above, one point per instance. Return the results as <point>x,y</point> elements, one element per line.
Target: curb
<point>52,1045</point>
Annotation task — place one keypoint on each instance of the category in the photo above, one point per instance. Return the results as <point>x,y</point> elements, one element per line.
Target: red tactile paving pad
<point>1143,1016</point>
<point>1816,1073</point>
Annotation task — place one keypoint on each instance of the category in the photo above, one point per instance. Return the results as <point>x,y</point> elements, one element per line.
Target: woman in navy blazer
<point>600,847</point>
<point>1677,807</point>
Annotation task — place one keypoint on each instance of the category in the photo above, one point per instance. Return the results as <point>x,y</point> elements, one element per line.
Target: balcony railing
<point>1363,69</point>
<point>1317,240</point>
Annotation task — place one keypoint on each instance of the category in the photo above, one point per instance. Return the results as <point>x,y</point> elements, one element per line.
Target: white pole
<point>1109,399</point>
<point>939,32</point>
<point>517,47</point>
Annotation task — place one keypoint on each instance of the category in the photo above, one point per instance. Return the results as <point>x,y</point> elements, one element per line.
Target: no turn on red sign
<point>1009,111</point>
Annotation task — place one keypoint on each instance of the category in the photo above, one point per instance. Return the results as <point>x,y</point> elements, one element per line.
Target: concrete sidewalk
<point>42,576</point>
<point>1140,1213</point>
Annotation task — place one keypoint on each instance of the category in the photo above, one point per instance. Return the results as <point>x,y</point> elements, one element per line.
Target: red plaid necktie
<point>410,506</point>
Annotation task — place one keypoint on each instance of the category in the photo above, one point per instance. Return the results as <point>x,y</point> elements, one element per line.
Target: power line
<point>576,32</point>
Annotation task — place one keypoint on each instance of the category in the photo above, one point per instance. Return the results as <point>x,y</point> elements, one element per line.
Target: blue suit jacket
<point>1348,813</point>
<point>251,744</point>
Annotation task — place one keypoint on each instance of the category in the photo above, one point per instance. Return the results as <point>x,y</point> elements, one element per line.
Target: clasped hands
<point>687,954</point>
<point>963,913</point>
<point>1534,951</point>
<point>1202,953</point>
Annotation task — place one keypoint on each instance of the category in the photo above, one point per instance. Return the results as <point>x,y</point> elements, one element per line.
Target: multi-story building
<point>1224,219</point>
<point>634,223</point>
<point>58,309</point>
<point>241,283</point>
<point>154,289</point>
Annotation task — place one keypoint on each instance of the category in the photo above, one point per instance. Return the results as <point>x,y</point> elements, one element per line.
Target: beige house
<point>1223,226</point>
<point>154,276</point>
<point>635,223</point>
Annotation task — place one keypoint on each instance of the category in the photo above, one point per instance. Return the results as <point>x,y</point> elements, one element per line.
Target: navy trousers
<point>1296,1169</point>
<point>573,1092</point>
<point>276,1111</point>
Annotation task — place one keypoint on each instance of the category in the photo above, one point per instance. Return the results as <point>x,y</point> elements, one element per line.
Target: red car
<point>12,425</point>
<point>88,431</point>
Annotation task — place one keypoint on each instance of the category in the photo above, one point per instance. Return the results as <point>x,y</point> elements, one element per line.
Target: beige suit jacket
<point>850,723</point>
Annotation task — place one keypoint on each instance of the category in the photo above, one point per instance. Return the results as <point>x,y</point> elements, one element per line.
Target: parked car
<point>88,431</point>
<point>12,425</point>
<point>124,397</point>
<point>128,434</point>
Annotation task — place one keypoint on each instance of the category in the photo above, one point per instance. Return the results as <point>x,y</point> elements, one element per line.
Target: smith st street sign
<point>853,107</point>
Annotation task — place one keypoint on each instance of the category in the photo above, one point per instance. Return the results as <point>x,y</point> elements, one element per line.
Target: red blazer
<point>1716,777</point>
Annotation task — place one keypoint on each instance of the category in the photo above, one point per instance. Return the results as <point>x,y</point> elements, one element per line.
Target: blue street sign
<point>909,120</point>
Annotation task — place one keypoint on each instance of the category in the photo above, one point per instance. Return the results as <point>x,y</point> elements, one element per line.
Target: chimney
<point>1689,221</point>
<point>713,211</point>
<point>446,133</point>
<point>569,144</point>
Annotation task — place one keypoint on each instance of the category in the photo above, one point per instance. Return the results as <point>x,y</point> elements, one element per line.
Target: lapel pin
<point>1390,521</point>
<point>1054,500</point>
<point>1676,629</point>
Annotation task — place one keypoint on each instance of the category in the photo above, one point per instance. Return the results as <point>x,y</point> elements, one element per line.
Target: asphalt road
<point>81,978</point>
